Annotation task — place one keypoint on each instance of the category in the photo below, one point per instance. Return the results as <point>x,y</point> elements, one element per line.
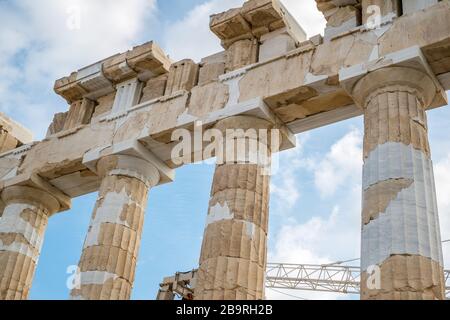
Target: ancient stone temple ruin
<point>388,61</point>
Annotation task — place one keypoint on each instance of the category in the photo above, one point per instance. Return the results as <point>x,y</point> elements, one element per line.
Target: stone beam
<point>144,61</point>
<point>258,31</point>
<point>253,20</point>
<point>297,90</point>
<point>341,15</point>
<point>305,83</point>
<point>12,134</point>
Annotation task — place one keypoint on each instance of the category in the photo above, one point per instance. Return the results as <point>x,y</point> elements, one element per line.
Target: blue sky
<point>315,199</point>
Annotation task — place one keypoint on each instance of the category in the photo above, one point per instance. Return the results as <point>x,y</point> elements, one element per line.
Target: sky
<point>315,199</point>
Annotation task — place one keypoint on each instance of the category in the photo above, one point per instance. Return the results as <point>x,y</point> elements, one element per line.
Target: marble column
<point>22,229</point>
<point>234,249</point>
<point>401,245</point>
<point>108,261</point>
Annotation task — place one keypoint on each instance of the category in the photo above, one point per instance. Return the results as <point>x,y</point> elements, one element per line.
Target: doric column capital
<point>129,166</point>
<point>243,122</point>
<point>394,79</point>
<point>247,140</point>
<point>247,123</point>
<point>33,196</point>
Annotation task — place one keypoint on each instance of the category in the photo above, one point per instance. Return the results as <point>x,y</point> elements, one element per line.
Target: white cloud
<point>191,36</point>
<point>324,238</point>
<point>37,47</point>
<point>287,191</point>
<point>104,30</point>
<point>307,15</point>
<point>284,185</point>
<point>341,165</point>
<point>321,240</point>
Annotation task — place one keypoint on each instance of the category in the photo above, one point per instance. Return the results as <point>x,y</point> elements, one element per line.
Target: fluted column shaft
<point>22,228</point>
<point>233,256</point>
<point>108,261</point>
<point>401,245</point>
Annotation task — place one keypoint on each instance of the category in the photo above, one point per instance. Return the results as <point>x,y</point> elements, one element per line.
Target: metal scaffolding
<point>325,278</point>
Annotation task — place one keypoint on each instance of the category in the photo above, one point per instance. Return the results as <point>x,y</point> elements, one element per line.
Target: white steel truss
<point>326,278</point>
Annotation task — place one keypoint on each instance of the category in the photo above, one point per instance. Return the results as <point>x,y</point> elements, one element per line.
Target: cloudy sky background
<point>316,197</point>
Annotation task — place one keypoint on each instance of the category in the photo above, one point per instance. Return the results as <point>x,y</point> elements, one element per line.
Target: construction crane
<point>326,278</point>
